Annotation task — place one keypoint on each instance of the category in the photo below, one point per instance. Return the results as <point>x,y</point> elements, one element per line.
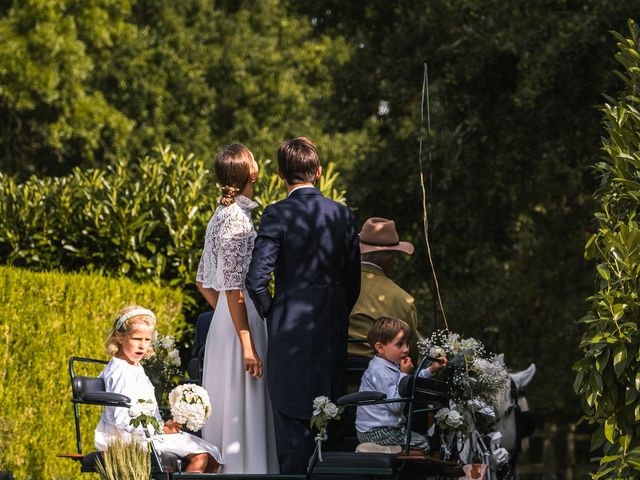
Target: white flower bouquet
<point>324,410</point>
<point>478,375</point>
<point>142,414</point>
<point>190,406</point>
<point>163,367</point>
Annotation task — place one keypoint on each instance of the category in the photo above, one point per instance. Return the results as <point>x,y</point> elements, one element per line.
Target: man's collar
<point>371,267</point>
<point>295,189</point>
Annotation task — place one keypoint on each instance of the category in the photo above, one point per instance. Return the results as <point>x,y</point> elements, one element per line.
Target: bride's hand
<point>252,362</point>
<point>251,359</point>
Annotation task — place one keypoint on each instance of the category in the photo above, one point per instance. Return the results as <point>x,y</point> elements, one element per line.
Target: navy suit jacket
<point>311,245</point>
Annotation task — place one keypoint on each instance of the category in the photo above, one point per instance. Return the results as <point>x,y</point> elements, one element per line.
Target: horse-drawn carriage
<point>420,396</point>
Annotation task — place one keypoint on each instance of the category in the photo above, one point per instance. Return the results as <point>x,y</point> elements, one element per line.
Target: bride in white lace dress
<point>241,421</point>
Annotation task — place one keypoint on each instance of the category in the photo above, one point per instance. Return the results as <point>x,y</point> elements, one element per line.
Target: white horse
<point>510,403</point>
<point>509,431</point>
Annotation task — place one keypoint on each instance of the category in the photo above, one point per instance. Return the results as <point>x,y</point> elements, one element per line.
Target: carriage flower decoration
<point>478,379</point>
<point>324,410</point>
<point>142,414</point>
<point>163,367</point>
<point>190,406</point>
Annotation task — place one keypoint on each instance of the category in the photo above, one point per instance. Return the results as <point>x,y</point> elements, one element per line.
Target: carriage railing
<point>75,398</point>
<point>441,396</point>
<point>97,396</point>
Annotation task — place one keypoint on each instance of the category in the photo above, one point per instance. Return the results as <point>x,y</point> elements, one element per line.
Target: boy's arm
<point>441,362</point>
<point>263,261</point>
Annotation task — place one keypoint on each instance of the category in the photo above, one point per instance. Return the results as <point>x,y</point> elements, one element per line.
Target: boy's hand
<point>406,365</point>
<point>441,362</point>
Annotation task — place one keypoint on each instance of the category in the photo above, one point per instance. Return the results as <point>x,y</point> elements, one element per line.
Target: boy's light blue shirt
<point>382,376</point>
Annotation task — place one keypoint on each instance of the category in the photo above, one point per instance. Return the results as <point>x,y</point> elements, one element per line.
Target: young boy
<point>384,424</point>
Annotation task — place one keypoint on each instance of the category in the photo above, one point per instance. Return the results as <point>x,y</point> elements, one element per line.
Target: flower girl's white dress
<point>130,380</point>
<point>241,421</point>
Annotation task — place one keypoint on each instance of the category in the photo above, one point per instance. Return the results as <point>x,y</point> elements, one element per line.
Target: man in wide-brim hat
<point>379,295</point>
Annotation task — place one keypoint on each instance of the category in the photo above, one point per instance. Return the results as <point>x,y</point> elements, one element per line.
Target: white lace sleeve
<point>234,253</point>
<point>200,274</point>
<point>227,249</point>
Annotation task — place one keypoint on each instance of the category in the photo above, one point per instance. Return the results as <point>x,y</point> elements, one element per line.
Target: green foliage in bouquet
<point>163,367</point>
<point>125,461</point>
<point>46,318</point>
<point>608,377</point>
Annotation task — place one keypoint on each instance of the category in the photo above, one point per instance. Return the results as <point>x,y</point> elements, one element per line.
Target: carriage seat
<point>169,462</point>
<point>88,390</point>
<point>345,463</point>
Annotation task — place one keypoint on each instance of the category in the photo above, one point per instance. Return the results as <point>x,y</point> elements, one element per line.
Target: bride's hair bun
<point>233,167</point>
<point>228,195</point>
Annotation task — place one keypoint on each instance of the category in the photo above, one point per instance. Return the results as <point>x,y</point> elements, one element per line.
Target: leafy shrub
<point>143,219</point>
<point>608,377</point>
<point>46,318</point>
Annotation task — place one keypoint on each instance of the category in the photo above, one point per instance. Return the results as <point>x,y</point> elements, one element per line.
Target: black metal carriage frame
<point>419,395</point>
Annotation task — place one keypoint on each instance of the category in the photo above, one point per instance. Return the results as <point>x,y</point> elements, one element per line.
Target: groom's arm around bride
<point>311,245</point>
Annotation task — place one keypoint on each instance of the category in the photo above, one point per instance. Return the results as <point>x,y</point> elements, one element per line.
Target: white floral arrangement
<point>449,419</point>
<point>142,414</point>
<point>190,406</point>
<point>478,375</point>
<point>324,410</point>
<point>163,367</point>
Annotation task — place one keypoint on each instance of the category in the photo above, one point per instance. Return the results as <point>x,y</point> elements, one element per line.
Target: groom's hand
<point>263,303</point>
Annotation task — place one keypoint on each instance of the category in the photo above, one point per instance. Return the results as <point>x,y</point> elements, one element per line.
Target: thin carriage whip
<point>425,218</point>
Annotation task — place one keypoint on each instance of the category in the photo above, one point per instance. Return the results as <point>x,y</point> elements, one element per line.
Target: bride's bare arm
<point>238,310</point>
<point>209,294</point>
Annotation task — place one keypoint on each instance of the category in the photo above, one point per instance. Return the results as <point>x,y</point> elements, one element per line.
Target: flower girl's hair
<point>233,168</point>
<point>127,317</point>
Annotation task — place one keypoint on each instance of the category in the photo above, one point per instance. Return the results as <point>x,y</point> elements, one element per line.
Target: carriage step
<point>72,456</point>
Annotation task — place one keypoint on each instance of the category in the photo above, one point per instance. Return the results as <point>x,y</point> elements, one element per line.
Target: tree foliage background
<point>514,129</point>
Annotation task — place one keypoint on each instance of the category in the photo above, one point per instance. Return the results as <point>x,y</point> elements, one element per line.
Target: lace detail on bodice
<point>227,246</point>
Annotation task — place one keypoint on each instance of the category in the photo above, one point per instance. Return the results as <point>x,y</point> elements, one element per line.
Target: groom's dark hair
<point>298,161</point>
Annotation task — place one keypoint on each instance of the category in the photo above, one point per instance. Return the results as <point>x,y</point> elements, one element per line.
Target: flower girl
<point>129,341</point>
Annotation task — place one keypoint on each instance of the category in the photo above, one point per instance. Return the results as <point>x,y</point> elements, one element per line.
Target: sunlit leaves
<point>607,377</point>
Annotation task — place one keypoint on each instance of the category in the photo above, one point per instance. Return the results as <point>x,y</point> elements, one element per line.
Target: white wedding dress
<point>241,421</point>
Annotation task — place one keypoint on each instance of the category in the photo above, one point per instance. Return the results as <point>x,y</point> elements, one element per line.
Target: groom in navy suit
<point>311,245</point>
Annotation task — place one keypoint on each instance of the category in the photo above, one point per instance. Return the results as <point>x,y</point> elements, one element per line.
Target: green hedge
<point>143,218</point>
<point>44,319</point>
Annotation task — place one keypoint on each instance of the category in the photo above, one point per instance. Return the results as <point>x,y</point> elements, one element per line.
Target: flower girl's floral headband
<point>136,312</point>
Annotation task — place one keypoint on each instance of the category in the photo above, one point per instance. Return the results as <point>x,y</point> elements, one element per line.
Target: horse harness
<point>525,423</point>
